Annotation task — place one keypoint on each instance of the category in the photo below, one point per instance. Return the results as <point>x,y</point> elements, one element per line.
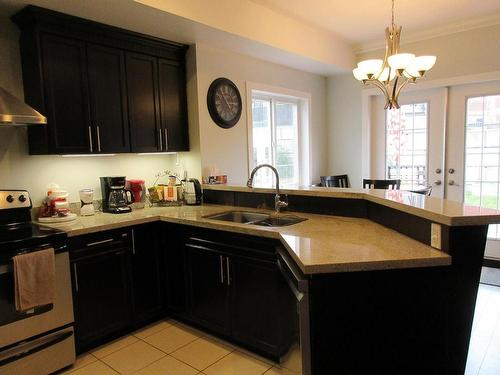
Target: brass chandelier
<point>396,70</point>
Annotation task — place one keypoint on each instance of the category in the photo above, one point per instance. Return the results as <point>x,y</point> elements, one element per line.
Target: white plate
<point>59,219</point>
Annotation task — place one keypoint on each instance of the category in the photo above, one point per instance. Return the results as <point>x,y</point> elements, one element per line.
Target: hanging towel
<point>34,279</point>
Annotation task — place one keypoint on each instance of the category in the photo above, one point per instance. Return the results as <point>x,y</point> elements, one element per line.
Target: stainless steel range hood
<point>15,112</point>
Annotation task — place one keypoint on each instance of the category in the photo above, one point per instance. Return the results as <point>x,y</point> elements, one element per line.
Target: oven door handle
<point>24,353</point>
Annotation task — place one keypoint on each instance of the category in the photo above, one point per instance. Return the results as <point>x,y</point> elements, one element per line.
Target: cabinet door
<point>147,273</point>
<point>66,95</point>
<point>143,103</point>
<point>173,105</point>
<point>102,297</point>
<point>208,288</point>
<point>175,267</point>
<point>106,71</point>
<point>262,308</point>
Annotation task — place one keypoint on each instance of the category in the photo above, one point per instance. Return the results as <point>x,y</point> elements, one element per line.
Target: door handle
<point>221,270</point>
<point>90,139</point>
<point>160,139</point>
<point>100,242</point>
<point>98,138</point>
<point>227,270</point>
<point>438,182</point>
<point>133,242</point>
<point>76,277</point>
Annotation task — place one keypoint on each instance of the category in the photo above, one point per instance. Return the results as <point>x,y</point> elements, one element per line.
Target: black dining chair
<point>381,184</point>
<point>340,181</point>
<point>424,191</point>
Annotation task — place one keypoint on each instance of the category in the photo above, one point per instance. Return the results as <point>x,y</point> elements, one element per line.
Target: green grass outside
<point>488,201</point>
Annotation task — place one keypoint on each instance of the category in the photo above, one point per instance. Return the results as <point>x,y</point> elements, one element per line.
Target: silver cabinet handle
<point>438,182</point>
<point>76,277</point>
<point>227,269</point>
<point>133,242</point>
<point>221,270</point>
<point>451,171</point>
<point>438,170</point>
<point>98,138</point>
<point>90,139</point>
<point>100,242</point>
<point>165,131</point>
<point>161,139</point>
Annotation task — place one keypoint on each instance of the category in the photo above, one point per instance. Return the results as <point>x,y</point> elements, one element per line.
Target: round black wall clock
<point>224,103</point>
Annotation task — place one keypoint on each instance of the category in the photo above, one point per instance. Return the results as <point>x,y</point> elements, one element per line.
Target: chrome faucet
<point>278,203</point>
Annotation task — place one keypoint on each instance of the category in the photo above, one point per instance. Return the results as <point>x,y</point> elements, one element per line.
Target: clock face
<point>224,102</point>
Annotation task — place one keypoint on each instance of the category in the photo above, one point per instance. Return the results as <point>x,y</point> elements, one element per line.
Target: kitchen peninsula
<point>378,300</point>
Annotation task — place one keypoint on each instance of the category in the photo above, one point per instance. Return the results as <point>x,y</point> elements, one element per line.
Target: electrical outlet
<point>436,235</point>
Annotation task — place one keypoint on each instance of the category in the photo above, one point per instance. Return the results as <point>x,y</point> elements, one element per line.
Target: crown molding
<point>430,33</point>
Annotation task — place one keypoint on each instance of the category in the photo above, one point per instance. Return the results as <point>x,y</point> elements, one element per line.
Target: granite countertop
<point>441,211</point>
<point>321,244</point>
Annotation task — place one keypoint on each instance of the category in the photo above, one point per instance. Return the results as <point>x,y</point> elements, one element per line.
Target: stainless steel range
<point>40,340</point>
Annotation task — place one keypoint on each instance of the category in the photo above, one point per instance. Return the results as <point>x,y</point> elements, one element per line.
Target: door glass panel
<point>482,154</point>
<point>406,145</point>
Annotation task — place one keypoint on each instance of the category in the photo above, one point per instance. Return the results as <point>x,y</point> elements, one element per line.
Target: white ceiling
<point>363,21</point>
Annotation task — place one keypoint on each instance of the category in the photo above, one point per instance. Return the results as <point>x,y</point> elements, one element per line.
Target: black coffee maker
<point>115,198</point>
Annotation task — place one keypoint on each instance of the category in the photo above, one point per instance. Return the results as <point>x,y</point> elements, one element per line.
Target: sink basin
<point>280,221</point>
<point>243,217</point>
<point>256,218</point>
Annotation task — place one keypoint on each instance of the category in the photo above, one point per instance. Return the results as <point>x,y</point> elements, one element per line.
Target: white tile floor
<point>170,348</point>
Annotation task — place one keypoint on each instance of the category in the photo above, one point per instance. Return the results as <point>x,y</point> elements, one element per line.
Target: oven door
<point>15,326</point>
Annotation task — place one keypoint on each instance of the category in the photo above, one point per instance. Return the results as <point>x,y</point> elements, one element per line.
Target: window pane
<point>406,145</point>
<point>286,142</point>
<point>275,139</point>
<point>482,154</point>
<point>262,139</point>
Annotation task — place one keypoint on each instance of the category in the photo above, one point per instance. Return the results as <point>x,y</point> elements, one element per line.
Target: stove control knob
<point>22,198</point>
<point>10,198</point>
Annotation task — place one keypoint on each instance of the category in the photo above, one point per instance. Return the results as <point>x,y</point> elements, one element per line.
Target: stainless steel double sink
<point>256,218</point>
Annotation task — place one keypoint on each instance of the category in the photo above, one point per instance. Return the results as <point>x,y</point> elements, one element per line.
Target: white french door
<point>473,151</point>
<point>462,149</point>
<point>408,144</point>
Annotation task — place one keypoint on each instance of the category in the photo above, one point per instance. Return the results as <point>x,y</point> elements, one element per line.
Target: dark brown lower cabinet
<point>102,294</point>
<point>237,290</point>
<point>147,273</point>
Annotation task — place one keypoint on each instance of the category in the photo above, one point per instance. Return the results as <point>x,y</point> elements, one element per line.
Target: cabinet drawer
<point>85,245</point>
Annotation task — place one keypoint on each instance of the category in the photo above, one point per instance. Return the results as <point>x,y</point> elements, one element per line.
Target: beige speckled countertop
<point>441,211</point>
<point>321,244</point>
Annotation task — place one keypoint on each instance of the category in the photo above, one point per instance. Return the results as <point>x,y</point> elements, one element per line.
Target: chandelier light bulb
<point>424,63</point>
<point>384,76</point>
<point>370,67</point>
<point>359,75</point>
<point>401,61</point>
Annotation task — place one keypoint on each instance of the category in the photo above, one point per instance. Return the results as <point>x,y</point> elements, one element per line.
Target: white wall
<point>461,54</point>
<point>344,130</point>
<point>225,150</point>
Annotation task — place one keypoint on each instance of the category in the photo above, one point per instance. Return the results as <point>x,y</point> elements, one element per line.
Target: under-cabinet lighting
<point>157,153</point>
<point>84,155</point>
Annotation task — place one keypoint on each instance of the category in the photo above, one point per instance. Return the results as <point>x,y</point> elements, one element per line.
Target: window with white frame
<point>406,145</point>
<point>275,137</point>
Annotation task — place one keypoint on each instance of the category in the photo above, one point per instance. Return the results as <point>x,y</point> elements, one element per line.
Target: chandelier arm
<point>382,87</point>
<point>386,56</point>
<point>401,87</point>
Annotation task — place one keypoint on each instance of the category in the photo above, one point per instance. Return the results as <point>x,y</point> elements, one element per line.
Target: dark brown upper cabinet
<point>143,102</point>
<point>103,89</point>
